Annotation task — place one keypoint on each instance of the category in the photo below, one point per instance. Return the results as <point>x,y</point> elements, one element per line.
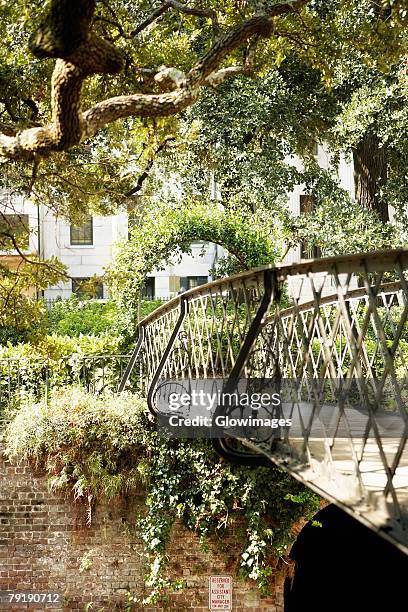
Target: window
<point>82,234</point>
<point>189,282</point>
<point>307,250</point>
<point>87,287</point>
<point>148,288</point>
<point>16,225</point>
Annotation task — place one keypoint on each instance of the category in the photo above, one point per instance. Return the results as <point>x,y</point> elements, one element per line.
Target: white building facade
<point>87,250</point>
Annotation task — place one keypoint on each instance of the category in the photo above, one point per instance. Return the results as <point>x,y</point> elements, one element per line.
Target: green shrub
<point>105,446</point>
<point>148,306</point>
<point>89,442</point>
<point>56,361</point>
<point>74,317</point>
<point>54,347</point>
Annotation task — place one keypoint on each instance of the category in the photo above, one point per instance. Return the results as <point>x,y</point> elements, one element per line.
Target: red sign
<point>220,595</point>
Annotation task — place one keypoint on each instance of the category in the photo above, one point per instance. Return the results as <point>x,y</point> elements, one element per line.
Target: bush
<point>74,317</point>
<point>86,441</point>
<point>105,446</point>
<point>148,306</point>
<point>54,347</point>
<point>56,361</point>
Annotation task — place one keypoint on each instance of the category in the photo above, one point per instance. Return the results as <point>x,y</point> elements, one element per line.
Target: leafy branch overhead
<point>67,33</point>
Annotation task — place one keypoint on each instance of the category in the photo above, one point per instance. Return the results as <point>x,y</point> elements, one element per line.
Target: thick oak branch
<point>87,54</point>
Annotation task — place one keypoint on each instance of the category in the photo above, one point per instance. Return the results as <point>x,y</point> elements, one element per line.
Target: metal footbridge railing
<point>332,335</point>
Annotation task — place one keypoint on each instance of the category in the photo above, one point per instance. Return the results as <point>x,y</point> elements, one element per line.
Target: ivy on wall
<point>105,446</point>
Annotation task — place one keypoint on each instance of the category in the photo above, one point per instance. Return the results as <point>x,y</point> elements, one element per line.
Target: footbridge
<point>331,336</point>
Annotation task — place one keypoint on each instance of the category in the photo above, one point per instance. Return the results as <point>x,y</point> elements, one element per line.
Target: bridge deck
<point>337,456</point>
<point>351,470</point>
<point>354,329</point>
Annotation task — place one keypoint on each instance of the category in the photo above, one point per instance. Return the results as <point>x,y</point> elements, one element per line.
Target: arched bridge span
<point>330,336</point>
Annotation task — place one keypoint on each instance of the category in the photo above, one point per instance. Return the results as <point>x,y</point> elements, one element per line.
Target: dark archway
<point>343,565</point>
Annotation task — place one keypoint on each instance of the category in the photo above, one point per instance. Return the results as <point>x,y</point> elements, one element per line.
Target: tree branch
<point>181,8</point>
<point>218,77</point>
<point>24,257</point>
<point>170,103</point>
<point>80,53</point>
<point>8,130</point>
<point>150,19</point>
<point>143,176</point>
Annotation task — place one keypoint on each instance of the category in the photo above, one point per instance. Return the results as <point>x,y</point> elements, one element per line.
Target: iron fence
<point>37,377</point>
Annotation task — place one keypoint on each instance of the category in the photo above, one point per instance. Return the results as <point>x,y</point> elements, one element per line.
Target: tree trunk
<point>370,173</point>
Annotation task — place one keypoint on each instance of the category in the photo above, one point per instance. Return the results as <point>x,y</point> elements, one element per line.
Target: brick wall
<point>46,545</point>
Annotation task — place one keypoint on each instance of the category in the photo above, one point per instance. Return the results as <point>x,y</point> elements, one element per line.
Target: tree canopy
<point>69,71</point>
<point>109,104</point>
<point>81,42</point>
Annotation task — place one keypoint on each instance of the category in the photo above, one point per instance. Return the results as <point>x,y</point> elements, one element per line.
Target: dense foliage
<point>330,71</point>
<point>312,58</point>
<point>337,225</point>
<point>56,361</point>
<point>74,317</point>
<point>22,316</point>
<point>248,138</point>
<point>54,347</point>
<point>107,446</point>
<point>85,319</point>
<point>165,231</point>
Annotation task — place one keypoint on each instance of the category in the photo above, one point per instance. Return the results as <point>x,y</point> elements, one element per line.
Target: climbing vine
<point>164,232</point>
<point>102,447</point>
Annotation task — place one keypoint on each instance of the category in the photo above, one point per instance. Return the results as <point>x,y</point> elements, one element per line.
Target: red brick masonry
<point>46,546</point>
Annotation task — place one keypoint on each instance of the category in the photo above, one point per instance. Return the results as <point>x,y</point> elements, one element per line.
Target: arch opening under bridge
<point>339,564</point>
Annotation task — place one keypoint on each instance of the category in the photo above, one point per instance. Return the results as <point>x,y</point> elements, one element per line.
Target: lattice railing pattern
<point>333,334</point>
<point>346,355</point>
<point>215,320</point>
